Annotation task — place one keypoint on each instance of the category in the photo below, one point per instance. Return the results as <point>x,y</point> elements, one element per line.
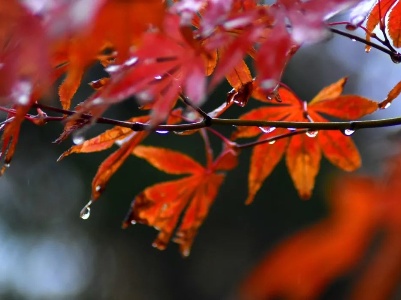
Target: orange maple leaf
<point>304,151</point>
<point>117,24</point>
<point>303,265</point>
<point>385,13</point>
<point>161,205</point>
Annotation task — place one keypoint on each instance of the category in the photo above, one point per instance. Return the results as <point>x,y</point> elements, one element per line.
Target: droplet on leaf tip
<point>388,104</point>
<point>133,222</point>
<point>186,253</point>
<point>347,132</point>
<point>98,188</point>
<point>312,133</point>
<point>354,40</point>
<point>272,142</point>
<point>78,137</point>
<point>7,165</point>
<point>86,211</point>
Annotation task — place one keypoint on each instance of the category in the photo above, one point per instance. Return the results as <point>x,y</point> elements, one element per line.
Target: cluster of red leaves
<point>303,152</point>
<point>365,212</point>
<point>160,53</point>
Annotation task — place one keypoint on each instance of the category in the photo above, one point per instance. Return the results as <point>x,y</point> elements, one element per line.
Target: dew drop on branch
<point>291,129</point>
<point>396,58</point>
<point>162,131</point>
<point>267,129</point>
<point>347,132</point>
<point>312,133</point>
<point>272,142</point>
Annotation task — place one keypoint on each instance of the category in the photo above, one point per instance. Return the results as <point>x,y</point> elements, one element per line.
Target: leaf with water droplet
<point>162,204</point>
<point>393,94</point>
<point>303,155</point>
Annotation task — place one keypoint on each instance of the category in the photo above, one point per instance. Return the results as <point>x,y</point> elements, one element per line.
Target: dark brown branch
<point>395,56</point>
<point>137,126</point>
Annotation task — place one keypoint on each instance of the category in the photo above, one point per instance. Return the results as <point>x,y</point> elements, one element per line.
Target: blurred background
<point>48,252</point>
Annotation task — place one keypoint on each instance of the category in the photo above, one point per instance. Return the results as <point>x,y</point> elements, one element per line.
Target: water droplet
<point>7,165</point>
<point>185,253</point>
<point>272,142</point>
<point>350,27</point>
<point>113,68</point>
<point>291,129</point>
<point>347,132</point>
<point>133,222</point>
<point>354,40</point>
<point>267,129</point>
<point>396,58</point>
<point>22,92</point>
<point>162,131</point>
<point>367,50</point>
<point>78,138</point>
<point>388,104</point>
<point>158,77</point>
<point>130,62</point>
<point>86,211</point>
<point>98,188</point>
<point>97,101</point>
<point>312,133</point>
<point>268,84</point>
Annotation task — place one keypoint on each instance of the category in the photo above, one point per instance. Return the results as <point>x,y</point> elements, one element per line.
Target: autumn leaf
<point>302,266</point>
<point>385,13</point>
<point>162,204</point>
<point>116,23</point>
<point>303,151</point>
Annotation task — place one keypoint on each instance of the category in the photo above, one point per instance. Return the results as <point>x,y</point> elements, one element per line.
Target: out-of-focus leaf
<point>303,265</point>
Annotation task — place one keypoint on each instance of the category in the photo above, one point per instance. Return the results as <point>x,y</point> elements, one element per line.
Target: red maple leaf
<point>303,265</point>
<point>385,13</point>
<point>162,204</point>
<point>304,150</point>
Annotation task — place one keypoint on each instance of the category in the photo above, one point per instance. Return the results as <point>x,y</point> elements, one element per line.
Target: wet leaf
<point>303,152</point>
<point>162,204</point>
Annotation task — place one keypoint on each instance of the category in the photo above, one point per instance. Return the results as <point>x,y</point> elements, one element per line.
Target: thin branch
<point>271,139</point>
<point>354,37</point>
<point>137,126</point>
